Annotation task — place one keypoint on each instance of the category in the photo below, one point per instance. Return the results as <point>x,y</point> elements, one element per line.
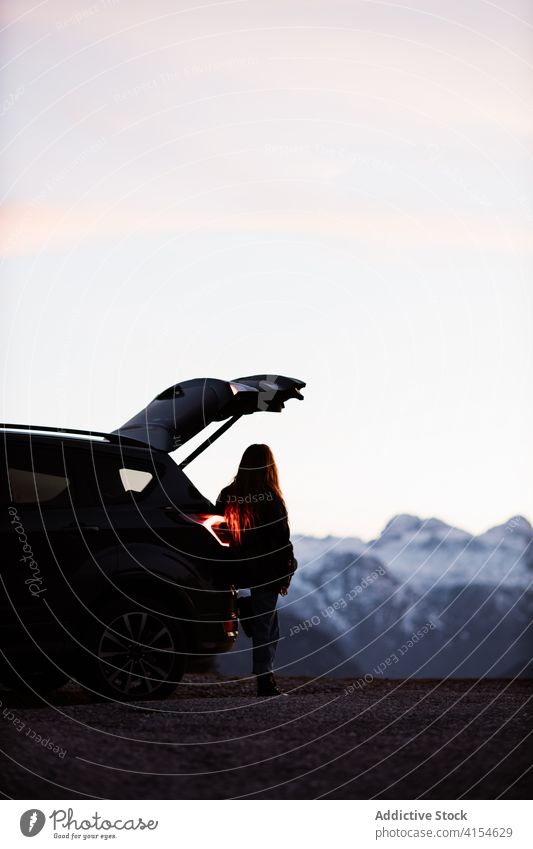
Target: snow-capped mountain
<point>423,599</point>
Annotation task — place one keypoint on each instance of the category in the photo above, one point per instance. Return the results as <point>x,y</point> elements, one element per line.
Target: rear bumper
<point>211,630</point>
<point>216,637</point>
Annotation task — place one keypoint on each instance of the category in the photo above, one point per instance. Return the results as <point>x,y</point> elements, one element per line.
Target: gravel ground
<point>384,739</point>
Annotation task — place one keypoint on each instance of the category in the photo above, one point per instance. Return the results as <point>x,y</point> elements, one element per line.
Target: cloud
<point>28,229</point>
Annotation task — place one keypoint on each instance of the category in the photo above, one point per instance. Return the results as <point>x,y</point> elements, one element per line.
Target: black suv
<point>115,569</point>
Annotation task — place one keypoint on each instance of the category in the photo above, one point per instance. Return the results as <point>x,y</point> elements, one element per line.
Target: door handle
<point>81,527</point>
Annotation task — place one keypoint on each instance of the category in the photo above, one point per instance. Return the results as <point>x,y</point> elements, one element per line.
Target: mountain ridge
<point>355,607</point>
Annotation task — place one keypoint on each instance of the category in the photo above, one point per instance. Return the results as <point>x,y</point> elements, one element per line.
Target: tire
<point>134,652</point>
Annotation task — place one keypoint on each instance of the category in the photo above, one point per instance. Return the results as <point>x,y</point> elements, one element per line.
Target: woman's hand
<point>284,591</point>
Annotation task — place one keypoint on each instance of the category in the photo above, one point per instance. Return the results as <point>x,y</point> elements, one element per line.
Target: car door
<point>38,538</point>
<point>69,510</point>
<point>107,491</point>
<point>125,499</point>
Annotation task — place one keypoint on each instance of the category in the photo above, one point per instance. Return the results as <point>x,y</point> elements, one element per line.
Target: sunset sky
<point>336,191</point>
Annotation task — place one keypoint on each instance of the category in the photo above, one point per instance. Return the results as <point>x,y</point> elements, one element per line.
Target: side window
<point>36,475</point>
<point>134,480</point>
<point>32,487</point>
<point>105,479</point>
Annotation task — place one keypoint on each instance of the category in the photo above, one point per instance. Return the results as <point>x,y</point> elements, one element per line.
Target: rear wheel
<point>134,652</point>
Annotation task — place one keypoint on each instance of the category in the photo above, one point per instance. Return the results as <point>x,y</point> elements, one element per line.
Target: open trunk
<point>185,409</point>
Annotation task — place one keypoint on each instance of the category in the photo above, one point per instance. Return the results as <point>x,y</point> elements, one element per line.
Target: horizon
<point>507,524</point>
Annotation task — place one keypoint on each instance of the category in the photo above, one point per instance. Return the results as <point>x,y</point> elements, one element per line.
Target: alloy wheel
<point>137,653</point>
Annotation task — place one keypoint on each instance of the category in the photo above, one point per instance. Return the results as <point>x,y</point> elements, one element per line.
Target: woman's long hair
<point>255,484</point>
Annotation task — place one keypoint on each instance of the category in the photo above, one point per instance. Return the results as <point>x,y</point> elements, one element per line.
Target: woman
<point>256,516</point>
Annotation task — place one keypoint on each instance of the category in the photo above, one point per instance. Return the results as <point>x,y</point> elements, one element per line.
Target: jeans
<point>265,629</point>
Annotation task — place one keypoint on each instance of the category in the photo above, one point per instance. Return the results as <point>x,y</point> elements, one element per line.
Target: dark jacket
<point>264,556</point>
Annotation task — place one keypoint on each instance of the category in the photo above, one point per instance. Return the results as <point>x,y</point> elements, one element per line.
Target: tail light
<point>214,524</point>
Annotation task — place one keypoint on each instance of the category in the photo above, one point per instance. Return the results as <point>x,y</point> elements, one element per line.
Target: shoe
<point>266,686</point>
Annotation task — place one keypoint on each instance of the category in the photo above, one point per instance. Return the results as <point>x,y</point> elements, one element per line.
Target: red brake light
<point>214,524</point>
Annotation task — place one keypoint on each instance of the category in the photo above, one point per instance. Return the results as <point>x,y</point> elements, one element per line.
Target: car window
<point>134,480</point>
<point>32,487</point>
<point>107,478</point>
<point>36,475</point>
